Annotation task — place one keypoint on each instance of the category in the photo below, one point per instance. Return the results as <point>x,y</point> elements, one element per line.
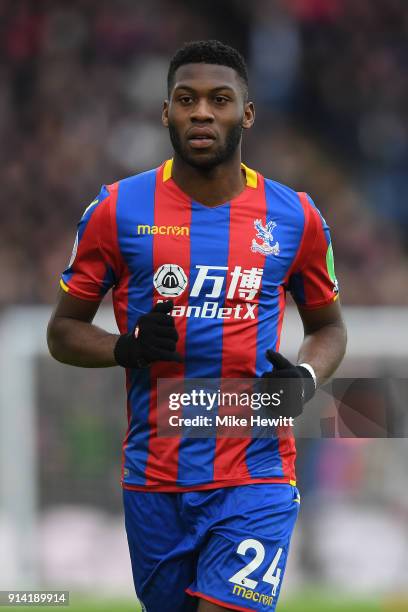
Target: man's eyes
<point>221,99</point>
<point>185,99</point>
<point>218,99</point>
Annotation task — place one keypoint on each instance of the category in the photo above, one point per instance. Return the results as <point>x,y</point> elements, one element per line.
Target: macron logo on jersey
<point>163,230</point>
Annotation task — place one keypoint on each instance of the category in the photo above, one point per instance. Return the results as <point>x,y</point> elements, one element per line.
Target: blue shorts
<point>228,546</point>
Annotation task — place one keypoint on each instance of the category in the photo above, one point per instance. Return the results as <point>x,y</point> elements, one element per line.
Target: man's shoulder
<point>280,189</point>
<point>294,202</point>
<point>139,186</point>
<point>141,180</point>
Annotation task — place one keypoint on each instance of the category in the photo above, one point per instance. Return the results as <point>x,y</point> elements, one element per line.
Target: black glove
<point>153,338</point>
<point>296,383</point>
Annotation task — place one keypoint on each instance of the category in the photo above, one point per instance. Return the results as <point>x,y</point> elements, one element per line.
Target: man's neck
<point>210,187</point>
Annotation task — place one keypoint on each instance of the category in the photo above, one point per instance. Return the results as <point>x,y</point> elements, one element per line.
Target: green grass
<point>313,603</point>
<point>305,603</point>
<point>81,604</point>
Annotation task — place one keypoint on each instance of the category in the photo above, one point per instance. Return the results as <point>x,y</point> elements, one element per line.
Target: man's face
<point>206,113</point>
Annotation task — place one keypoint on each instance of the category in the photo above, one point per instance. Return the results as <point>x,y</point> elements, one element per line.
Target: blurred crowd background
<point>81,87</point>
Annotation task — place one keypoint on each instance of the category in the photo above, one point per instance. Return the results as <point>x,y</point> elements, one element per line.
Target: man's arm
<point>73,338</point>
<point>325,339</point>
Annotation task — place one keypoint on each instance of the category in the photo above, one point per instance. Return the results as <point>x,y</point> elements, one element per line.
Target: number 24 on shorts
<point>272,574</point>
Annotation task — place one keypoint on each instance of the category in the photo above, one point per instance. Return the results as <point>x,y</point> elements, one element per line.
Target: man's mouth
<point>201,138</point>
<point>200,143</point>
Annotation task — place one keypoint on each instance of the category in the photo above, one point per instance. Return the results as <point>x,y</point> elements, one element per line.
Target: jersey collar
<point>251,175</point>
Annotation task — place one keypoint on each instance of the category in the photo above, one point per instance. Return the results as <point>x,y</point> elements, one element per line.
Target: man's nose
<point>202,111</point>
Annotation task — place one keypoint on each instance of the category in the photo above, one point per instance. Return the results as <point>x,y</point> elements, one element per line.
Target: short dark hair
<point>207,52</point>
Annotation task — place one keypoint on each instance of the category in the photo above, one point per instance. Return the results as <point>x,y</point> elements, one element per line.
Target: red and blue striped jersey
<point>227,269</point>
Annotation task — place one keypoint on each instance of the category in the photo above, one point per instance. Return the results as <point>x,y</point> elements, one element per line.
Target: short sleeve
<point>92,269</point>
<point>312,281</point>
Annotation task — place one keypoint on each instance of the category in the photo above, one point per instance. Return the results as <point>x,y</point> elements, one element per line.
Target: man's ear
<point>249,115</point>
<point>165,113</point>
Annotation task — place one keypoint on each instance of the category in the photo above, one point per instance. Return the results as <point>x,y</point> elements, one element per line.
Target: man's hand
<point>295,382</point>
<point>153,338</point>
